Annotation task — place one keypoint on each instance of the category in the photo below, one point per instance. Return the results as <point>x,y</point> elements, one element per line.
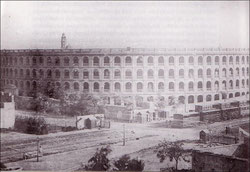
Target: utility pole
<point>37,154</point>
<point>123,134</point>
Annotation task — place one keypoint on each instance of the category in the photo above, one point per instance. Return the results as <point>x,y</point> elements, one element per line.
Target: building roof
<point>227,150</point>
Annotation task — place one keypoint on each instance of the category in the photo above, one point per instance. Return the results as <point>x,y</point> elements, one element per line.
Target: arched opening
<point>117,87</point>
<point>139,87</point>
<point>200,99</point>
<point>190,99</point>
<point>76,86</point>
<point>150,87</point>
<point>96,87</point>
<point>106,87</point>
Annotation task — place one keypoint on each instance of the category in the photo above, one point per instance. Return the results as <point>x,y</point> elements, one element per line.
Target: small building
<point>90,122</point>
<point>204,136</point>
<point>93,121</point>
<point>7,110</point>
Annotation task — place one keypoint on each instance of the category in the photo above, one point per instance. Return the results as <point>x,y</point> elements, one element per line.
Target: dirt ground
<point>68,150</point>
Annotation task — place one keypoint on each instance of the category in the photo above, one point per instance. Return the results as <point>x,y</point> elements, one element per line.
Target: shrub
<point>126,164</point>
<point>31,125</point>
<point>2,166</point>
<point>100,161</point>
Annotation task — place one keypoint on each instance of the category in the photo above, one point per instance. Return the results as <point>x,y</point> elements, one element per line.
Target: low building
<point>7,110</point>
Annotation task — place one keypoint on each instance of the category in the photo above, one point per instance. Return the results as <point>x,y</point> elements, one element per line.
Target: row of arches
<point>149,86</point>
<point>128,60</point>
<point>9,72</point>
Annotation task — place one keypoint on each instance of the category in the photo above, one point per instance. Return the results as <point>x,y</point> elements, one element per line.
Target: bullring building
<point>195,76</point>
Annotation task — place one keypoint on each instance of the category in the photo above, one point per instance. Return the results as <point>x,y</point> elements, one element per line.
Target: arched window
<point>49,61</point>
<point>96,74</point>
<point>16,72</point>
<point>216,73</point>
<point>209,60</point>
<point>21,60</point>
<point>139,74</point>
<point>117,61</point>
<point>49,73</point>
<point>106,61</point>
<point>96,61</point>
<point>66,61</point>
<point>150,60</point>
<point>57,72</point>
<point>57,61</point>
<point>21,84</point>
<point>66,86</point>
<point>34,73</point>
<point>34,60</point>
<point>200,85</point>
<point>86,86</point>
<point>161,73</point>
<point>247,71</point>
<point>200,99</point>
<point>106,87</point>
<point>190,99</point>
<point>231,72</point>
<point>243,71</point>
<point>27,73</point>
<point>216,85</point>
<point>85,61</point>
<point>96,87</point>
<point>200,60</point>
<point>224,72</point>
<point>243,83</point>
<point>216,97</point>
<point>41,73</point>
<point>171,60</point>
<point>117,74</point>
<point>231,60</point>
<point>150,87</point>
<point>237,60</point>
<point>231,95</point>
<point>161,60</point>
<point>237,83</point>
<point>231,84</point>
<point>85,74</point>
<point>243,60</point>
<point>208,98</point>
<point>224,60</point>
<point>208,85</point>
<point>217,60</point>
<point>181,86</point>
<point>76,86</point>
<point>139,61</point>
<point>191,60</point>
<point>76,74</point>
<point>181,60</point>
<point>76,61</point>
<point>117,87</point>
<point>28,85</point>
<point>34,85</point>
<point>128,87</point>
<point>139,87</point>
<point>150,73</point>
<point>190,86</point>
<point>128,74</point>
<point>171,73</point>
<point>208,73</point>
<point>247,59</point>
<point>237,94</point>
<point>224,85</point>
<point>171,86</point>
<point>128,61</point>
<point>106,74</point>
<point>161,86</point>
<point>66,74</point>
<point>191,73</point>
<point>200,73</point>
<point>117,101</point>
<point>247,82</point>
<point>237,71</point>
<point>181,73</point>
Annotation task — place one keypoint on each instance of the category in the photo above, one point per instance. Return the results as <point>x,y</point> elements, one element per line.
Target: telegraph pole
<point>37,154</point>
<point>123,134</point>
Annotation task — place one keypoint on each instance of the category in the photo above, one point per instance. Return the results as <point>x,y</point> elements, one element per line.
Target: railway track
<point>60,144</point>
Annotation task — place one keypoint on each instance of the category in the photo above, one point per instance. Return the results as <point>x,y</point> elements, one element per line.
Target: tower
<point>63,41</point>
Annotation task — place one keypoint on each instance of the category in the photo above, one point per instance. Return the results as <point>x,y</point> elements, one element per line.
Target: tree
<point>128,102</point>
<point>100,161</point>
<point>172,150</point>
<point>160,103</point>
<point>126,164</point>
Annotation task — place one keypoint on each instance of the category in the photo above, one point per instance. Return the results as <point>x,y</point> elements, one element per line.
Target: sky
<point>121,24</point>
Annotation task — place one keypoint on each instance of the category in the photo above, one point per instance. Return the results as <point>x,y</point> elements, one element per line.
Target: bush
<point>31,125</point>
<point>2,166</point>
<point>126,164</point>
<point>99,162</point>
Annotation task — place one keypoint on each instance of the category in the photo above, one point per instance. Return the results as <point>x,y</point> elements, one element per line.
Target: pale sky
<point>136,24</point>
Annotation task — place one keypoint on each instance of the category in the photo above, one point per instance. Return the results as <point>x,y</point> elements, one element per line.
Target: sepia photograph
<point>158,86</point>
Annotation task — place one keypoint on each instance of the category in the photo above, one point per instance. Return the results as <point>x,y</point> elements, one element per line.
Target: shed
<point>204,136</point>
<point>90,122</point>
